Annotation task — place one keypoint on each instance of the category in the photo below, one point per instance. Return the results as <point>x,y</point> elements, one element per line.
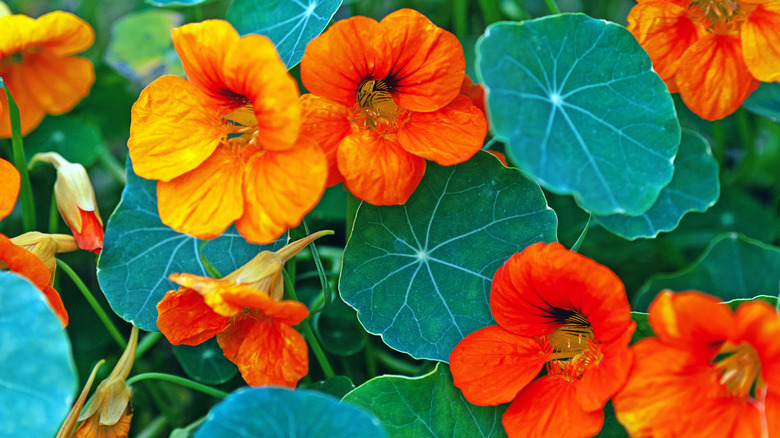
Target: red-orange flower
<point>246,312</point>
<point>10,182</point>
<point>224,143</point>
<point>38,68</point>
<point>713,52</point>
<point>554,307</point>
<point>718,367</point>
<point>385,98</point>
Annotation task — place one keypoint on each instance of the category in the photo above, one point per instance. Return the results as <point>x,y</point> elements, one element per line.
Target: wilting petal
<point>326,122</point>
<point>184,318</point>
<point>377,169</point>
<point>91,427</point>
<point>62,33</point>
<point>547,408</point>
<point>266,351</point>
<point>9,187</point>
<point>427,61</point>
<point>280,187</point>
<point>57,83</point>
<point>492,365</point>
<point>30,113</point>
<point>713,78</point>
<point>603,379</point>
<point>286,312</point>
<point>447,136</point>
<point>174,128</point>
<point>760,36</point>
<point>205,201</point>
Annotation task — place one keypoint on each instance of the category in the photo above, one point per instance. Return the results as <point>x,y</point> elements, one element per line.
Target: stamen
<point>720,16</point>
<point>740,369</point>
<point>573,337</point>
<point>375,97</point>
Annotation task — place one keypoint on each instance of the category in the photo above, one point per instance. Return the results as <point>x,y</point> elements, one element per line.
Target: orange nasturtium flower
<point>555,307</point>
<point>10,182</point>
<point>224,143</point>
<point>710,372</point>
<point>385,98</point>
<point>246,312</point>
<point>38,66</point>
<point>713,52</point>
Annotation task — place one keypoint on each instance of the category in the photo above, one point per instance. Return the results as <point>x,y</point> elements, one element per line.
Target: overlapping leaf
<point>765,101</point>
<point>205,362</point>
<point>419,274</point>
<point>581,109</point>
<point>75,139</point>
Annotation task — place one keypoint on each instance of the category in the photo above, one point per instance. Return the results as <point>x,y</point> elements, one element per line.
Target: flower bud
<point>45,246</point>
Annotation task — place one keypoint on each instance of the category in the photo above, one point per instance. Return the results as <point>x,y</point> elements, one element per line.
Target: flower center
<point>241,130</point>
<point>573,346</point>
<point>740,369</point>
<point>374,97</point>
<point>720,15</point>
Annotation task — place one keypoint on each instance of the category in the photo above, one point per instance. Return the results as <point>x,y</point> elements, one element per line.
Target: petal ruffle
<point>19,32</point>
<point>447,136</point>
<point>57,83</point>
<point>602,380</point>
<point>377,169</point>
<point>475,92</point>
<point>326,122</point>
<point>211,289</point>
<point>184,318</point>
<point>286,312</point>
<point>10,182</point>
<point>760,36</point>
<point>492,365</point>
<point>63,34</point>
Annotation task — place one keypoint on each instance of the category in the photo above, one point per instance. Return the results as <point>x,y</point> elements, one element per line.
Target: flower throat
<point>720,15</point>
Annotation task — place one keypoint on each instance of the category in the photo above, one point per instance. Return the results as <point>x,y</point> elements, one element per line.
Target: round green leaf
<point>205,362</point>
<point>581,109</point>
<point>338,329</point>
<point>733,266</point>
<point>277,412</point>
<point>37,375</point>
<point>695,187</point>
<point>419,274</point>
<point>75,139</point>
<point>426,407</point>
<point>765,101</point>
<point>290,24</point>
<point>139,253</point>
<point>337,386</point>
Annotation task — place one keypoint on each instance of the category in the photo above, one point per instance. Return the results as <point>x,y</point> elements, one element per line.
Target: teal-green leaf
<point>581,109</point>
<point>281,413</point>
<point>290,24</point>
<point>419,274</point>
<point>338,329</point>
<point>772,300</point>
<point>765,101</point>
<point>695,187</point>
<point>37,375</point>
<point>205,362</point>
<point>426,407</point>
<point>139,253</point>
<point>733,266</point>
<point>337,386</point>
<point>77,140</point>
<point>643,328</point>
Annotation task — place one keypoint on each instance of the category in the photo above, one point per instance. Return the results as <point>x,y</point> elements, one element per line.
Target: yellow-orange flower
<point>385,98</point>
<point>224,143</point>
<point>10,182</point>
<point>38,66</point>
<point>713,52</point>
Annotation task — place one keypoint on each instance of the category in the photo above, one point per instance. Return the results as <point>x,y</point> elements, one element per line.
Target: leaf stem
<point>327,294</point>
<point>552,7</point>
<point>112,165</point>
<point>351,213</point>
<point>179,381</point>
<point>25,194</point>
<point>154,428</point>
<point>460,19</point>
<point>490,11</point>
<point>578,243</point>
<point>54,215</point>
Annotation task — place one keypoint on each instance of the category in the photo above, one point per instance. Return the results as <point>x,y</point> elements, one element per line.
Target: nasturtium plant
<point>205,362</point>
<point>765,101</point>
<point>75,139</point>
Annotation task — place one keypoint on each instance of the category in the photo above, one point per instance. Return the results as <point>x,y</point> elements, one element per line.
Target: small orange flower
<point>718,367</point>
<point>246,312</point>
<point>385,98</point>
<point>713,52</point>
<point>557,307</point>
<point>38,68</point>
<point>224,143</point>
<point>10,182</point>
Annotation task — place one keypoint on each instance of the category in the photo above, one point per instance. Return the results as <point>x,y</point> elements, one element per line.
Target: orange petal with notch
<point>184,318</point>
<point>760,36</point>
<point>10,182</point>
<point>205,201</point>
<point>447,136</point>
<point>30,113</point>
<point>280,187</point>
<point>253,70</point>
<point>427,61</point>
<point>266,351</point>
<point>62,33</point>
<point>173,129</point>
<point>59,83</point>
<point>377,169</point>
<point>326,122</point>
<point>713,78</point>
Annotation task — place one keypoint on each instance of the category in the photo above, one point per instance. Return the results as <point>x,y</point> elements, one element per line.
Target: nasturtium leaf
<point>643,329</point>
<point>338,329</point>
<point>426,407</point>
<point>765,101</point>
<point>733,266</point>
<point>77,140</point>
<point>612,427</point>
<point>419,274</point>
<point>37,375</point>
<point>337,386</point>
<point>290,24</point>
<point>141,48</point>
<point>772,300</point>
<point>694,187</point>
<point>205,362</point>
<point>278,412</point>
<point>139,253</point>
<point>581,109</point>
<point>176,3</point>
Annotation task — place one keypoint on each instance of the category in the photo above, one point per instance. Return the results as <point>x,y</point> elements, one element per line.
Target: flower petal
<point>266,351</point>
<point>760,34</point>
<point>286,312</point>
<point>205,201</point>
<point>447,136</point>
<point>475,92</point>
<point>184,318</point>
<point>326,122</point>
<point>377,169</point>
<point>19,33</point>
<point>91,236</point>
<point>173,129</point>
<point>63,34</point>
<point>758,323</point>
<point>603,379</point>
<point>492,365</point>
<point>92,427</point>
<point>55,302</point>
<point>211,289</point>
<point>712,76</point>
<point>30,113</point>
<point>57,83</point>
<point>280,187</point>
<point>10,181</point>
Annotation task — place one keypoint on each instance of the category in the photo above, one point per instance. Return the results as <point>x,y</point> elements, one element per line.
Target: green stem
<point>93,303</point>
<point>578,243</point>
<point>54,215</point>
<point>146,343</point>
<point>396,364</point>
<point>351,213</point>
<point>315,345</point>
<point>460,10</point>
<point>326,292</point>
<point>25,194</point>
<point>179,381</point>
<point>552,7</point>
<point>490,11</point>
<point>112,165</point>
<point>190,428</point>
<point>154,428</point>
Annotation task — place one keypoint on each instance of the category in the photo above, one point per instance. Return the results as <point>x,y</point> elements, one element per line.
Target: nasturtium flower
<point>246,312</point>
<point>385,98</point>
<point>223,144</point>
<point>554,307</point>
<point>45,247</point>
<point>709,372</point>
<point>713,52</point>
<point>10,182</point>
<point>38,66</point>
